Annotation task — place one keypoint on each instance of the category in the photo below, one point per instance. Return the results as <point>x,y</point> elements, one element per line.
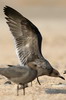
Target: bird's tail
<point>2,71</point>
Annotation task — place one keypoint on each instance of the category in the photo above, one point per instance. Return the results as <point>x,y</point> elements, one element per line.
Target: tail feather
<point>11,66</point>
<point>2,71</point>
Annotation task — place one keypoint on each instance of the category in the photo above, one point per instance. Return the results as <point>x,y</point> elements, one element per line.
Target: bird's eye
<point>56,73</point>
<point>35,65</point>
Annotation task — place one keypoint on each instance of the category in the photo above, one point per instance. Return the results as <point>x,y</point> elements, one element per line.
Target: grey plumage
<point>19,74</point>
<point>28,43</point>
<point>27,37</point>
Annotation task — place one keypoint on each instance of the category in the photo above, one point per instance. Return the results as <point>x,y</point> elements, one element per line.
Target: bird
<point>19,74</point>
<point>26,85</point>
<point>28,42</point>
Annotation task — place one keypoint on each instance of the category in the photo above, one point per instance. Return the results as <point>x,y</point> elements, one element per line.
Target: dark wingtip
<point>6,9</point>
<point>10,65</point>
<point>10,12</point>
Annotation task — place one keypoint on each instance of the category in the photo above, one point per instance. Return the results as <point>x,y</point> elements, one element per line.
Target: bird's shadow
<point>55,91</point>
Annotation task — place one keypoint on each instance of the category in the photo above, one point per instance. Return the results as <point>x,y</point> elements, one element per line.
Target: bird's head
<point>46,69</point>
<point>32,65</point>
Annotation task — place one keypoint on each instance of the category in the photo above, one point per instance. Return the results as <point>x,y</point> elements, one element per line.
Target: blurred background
<point>50,18</point>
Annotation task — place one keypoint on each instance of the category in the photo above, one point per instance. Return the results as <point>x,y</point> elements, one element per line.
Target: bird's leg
<point>38,81</point>
<point>18,90</point>
<point>31,83</point>
<point>23,89</point>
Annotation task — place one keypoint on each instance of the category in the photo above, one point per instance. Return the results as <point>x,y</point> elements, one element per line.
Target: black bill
<point>62,77</point>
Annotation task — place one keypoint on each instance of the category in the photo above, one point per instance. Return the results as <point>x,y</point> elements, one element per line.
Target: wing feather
<point>27,37</point>
<point>13,71</point>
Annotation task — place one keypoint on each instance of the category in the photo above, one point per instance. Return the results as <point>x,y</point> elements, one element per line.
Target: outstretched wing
<point>27,37</point>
